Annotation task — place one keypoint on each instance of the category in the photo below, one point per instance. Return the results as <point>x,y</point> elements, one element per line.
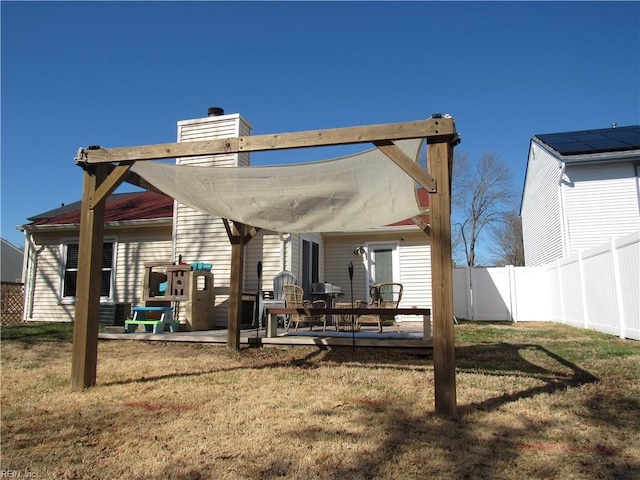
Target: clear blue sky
<point>122,73</point>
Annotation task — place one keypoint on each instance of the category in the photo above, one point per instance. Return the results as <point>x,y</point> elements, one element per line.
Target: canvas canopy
<point>352,193</point>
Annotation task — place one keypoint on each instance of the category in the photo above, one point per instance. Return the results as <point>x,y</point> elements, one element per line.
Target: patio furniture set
<point>383,295</point>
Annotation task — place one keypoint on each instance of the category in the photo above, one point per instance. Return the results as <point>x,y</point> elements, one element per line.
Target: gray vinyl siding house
<point>181,232</point>
<point>581,190</point>
<point>11,262</point>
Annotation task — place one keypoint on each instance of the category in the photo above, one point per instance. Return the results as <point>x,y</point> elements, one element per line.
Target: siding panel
<point>133,248</point>
<point>601,203</point>
<point>541,209</point>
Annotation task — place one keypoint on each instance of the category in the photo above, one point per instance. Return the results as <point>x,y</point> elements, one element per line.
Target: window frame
<point>64,246</point>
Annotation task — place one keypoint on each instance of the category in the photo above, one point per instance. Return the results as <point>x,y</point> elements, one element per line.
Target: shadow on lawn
<point>415,440</point>
<point>506,360</point>
<point>499,359</point>
<point>34,333</point>
<point>455,439</point>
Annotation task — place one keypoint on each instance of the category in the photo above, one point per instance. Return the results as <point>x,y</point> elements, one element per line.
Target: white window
<point>70,270</point>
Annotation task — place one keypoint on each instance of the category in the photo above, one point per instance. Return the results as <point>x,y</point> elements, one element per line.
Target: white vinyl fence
<point>598,289</point>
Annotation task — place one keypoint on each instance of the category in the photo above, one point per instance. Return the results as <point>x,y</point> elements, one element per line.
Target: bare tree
<point>507,247</point>
<point>482,194</point>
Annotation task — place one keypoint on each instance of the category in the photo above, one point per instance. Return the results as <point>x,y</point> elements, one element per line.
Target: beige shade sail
<point>357,192</point>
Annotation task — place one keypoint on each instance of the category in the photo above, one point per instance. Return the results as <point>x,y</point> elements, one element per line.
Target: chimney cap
<point>215,111</point>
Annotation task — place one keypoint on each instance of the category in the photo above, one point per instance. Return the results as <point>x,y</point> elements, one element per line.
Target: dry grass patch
<point>535,401</point>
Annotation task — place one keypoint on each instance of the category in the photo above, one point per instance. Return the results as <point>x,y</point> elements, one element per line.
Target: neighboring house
<point>146,227</point>
<point>581,189</point>
<point>11,262</point>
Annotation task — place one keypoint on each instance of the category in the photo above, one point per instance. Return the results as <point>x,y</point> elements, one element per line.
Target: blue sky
<point>123,73</point>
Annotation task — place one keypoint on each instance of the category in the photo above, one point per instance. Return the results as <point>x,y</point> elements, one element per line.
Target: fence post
<point>513,294</point>
<point>618,286</point>
<point>472,303</point>
<point>467,276</point>
<point>583,289</point>
<point>560,292</point>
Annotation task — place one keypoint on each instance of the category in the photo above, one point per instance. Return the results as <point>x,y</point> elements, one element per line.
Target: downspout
<point>563,220</point>
<point>283,250</point>
<point>32,258</point>
<point>174,233</point>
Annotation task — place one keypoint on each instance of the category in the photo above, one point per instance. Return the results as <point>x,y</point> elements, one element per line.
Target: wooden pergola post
<point>234,318</point>
<point>87,315</point>
<point>239,235</point>
<point>439,160</point>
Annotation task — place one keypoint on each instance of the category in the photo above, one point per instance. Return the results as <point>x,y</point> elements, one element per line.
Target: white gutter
<point>153,222</point>
<point>376,230</point>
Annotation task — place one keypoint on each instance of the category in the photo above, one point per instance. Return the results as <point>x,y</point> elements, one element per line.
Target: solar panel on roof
<point>594,141</point>
<point>574,148</point>
<point>587,137</point>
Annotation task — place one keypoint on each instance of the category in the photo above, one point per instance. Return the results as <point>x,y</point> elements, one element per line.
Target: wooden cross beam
<point>436,129</point>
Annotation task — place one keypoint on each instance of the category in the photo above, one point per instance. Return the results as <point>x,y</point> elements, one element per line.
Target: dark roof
<point>604,140</point>
<point>120,206</point>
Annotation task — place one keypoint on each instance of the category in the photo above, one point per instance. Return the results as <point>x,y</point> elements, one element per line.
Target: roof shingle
<point>120,207</point>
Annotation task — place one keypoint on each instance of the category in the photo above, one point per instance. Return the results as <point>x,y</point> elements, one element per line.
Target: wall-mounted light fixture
<point>359,250</point>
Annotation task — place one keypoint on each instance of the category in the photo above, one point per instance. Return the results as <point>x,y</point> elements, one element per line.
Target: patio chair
<point>275,297</point>
<point>294,298</point>
<point>383,295</point>
<point>280,280</point>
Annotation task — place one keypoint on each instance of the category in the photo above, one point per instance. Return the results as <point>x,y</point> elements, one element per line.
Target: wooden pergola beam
<point>433,128</point>
<point>422,225</point>
<point>108,186</point>
<point>134,179</point>
<point>409,166</point>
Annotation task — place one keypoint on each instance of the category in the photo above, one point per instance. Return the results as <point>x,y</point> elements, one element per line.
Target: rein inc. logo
<point>18,474</point>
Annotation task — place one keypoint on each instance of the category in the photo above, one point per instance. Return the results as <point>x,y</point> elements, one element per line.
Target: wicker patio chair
<point>293,297</point>
<point>383,295</point>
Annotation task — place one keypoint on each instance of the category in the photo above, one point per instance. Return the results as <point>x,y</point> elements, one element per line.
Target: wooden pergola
<point>106,168</point>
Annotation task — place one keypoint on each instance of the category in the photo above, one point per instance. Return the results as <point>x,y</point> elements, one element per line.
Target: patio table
<point>424,312</point>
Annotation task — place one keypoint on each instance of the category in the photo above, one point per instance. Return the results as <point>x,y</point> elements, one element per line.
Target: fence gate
<point>482,294</point>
